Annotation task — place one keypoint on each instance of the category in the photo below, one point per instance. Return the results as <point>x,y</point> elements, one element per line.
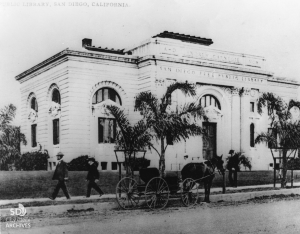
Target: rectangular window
<point>104,166</point>
<point>106,130</point>
<point>33,135</point>
<point>252,143</point>
<point>55,131</point>
<point>114,166</point>
<point>251,106</point>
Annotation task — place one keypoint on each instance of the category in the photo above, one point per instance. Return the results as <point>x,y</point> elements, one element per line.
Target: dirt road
<point>271,216</point>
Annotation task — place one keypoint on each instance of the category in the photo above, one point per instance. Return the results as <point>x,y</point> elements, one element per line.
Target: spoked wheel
<point>189,192</point>
<point>157,193</point>
<point>127,193</point>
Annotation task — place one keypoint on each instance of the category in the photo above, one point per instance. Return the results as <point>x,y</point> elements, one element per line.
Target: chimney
<point>86,42</point>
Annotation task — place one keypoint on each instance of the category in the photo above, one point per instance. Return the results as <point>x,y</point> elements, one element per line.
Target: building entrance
<point>210,144</point>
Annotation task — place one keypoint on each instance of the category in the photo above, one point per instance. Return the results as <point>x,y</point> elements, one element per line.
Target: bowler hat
<point>60,154</point>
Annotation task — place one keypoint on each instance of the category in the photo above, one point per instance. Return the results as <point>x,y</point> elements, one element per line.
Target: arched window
<point>252,135</point>
<point>56,96</point>
<point>104,94</point>
<point>210,100</point>
<point>55,122</point>
<point>106,126</point>
<point>33,104</point>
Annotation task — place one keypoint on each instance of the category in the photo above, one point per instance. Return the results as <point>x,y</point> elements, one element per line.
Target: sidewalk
<point>112,196</point>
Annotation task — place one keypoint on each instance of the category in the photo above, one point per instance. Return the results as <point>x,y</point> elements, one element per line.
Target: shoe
<point>51,198</point>
<point>68,198</point>
<point>101,194</point>
<point>87,197</point>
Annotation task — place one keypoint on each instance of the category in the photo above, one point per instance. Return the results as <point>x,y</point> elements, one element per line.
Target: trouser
<point>93,185</point>
<point>60,185</point>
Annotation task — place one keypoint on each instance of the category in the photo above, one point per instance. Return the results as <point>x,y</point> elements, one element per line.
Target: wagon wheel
<point>189,192</point>
<point>127,193</point>
<point>157,193</point>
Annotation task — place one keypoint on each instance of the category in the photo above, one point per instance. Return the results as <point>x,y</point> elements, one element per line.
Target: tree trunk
<point>284,168</point>
<point>162,165</point>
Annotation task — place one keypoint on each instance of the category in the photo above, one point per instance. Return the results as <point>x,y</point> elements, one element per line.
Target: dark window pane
<point>104,165</point>
<point>55,131</point>
<point>114,166</point>
<point>56,96</point>
<point>251,106</point>
<point>112,95</point>
<point>252,135</point>
<point>100,130</point>
<point>33,135</point>
<point>34,105</point>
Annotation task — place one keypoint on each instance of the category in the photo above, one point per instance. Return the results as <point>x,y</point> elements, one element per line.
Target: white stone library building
<point>64,98</point>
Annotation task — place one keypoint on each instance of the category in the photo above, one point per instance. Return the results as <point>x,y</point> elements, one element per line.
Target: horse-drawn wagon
<point>156,191</point>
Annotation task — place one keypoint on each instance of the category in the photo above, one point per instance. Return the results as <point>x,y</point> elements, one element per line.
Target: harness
<point>213,169</point>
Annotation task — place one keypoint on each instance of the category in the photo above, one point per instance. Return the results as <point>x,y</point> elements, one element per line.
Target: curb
<point>102,206</point>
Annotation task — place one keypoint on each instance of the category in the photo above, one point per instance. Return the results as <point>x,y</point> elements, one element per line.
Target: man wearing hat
<point>92,176</point>
<point>60,174</point>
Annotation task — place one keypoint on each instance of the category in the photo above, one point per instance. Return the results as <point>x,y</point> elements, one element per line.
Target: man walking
<point>60,174</point>
<point>92,176</point>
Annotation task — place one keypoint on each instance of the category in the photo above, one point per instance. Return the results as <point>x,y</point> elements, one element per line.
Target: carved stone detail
<point>246,91</point>
<point>100,109</point>
<point>159,82</point>
<point>212,113</point>
<point>55,110</point>
<point>235,91</point>
<point>32,116</point>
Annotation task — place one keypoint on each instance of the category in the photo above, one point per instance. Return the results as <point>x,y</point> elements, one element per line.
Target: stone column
<point>245,125</point>
<point>235,120</point>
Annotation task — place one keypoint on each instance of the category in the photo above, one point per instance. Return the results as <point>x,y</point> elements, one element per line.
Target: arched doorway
<point>212,109</point>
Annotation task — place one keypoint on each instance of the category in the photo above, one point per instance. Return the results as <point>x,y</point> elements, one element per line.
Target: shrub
<point>293,164</point>
<point>32,161</point>
<point>78,164</point>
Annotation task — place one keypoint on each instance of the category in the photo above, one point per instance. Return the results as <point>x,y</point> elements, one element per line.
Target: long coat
<point>93,173</point>
<point>61,171</point>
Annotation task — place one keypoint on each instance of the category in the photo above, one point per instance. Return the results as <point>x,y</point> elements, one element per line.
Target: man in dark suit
<point>92,176</point>
<point>60,174</point>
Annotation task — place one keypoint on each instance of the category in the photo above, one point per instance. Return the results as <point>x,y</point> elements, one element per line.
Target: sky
<point>31,34</point>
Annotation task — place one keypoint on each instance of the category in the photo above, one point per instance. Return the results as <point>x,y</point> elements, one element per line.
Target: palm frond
<point>186,88</point>
<point>7,114</point>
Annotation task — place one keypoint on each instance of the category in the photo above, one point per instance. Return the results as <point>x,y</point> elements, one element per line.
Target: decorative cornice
<point>202,63</point>
<point>68,52</point>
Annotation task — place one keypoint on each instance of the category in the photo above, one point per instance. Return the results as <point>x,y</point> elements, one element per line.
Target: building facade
<point>64,98</point>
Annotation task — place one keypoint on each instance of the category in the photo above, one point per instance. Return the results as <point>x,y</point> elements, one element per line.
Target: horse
<point>204,172</point>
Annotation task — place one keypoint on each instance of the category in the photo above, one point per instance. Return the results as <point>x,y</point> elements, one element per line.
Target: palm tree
<point>10,137</point>
<point>285,129</point>
<point>176,125</point>
<point>130,138</point>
